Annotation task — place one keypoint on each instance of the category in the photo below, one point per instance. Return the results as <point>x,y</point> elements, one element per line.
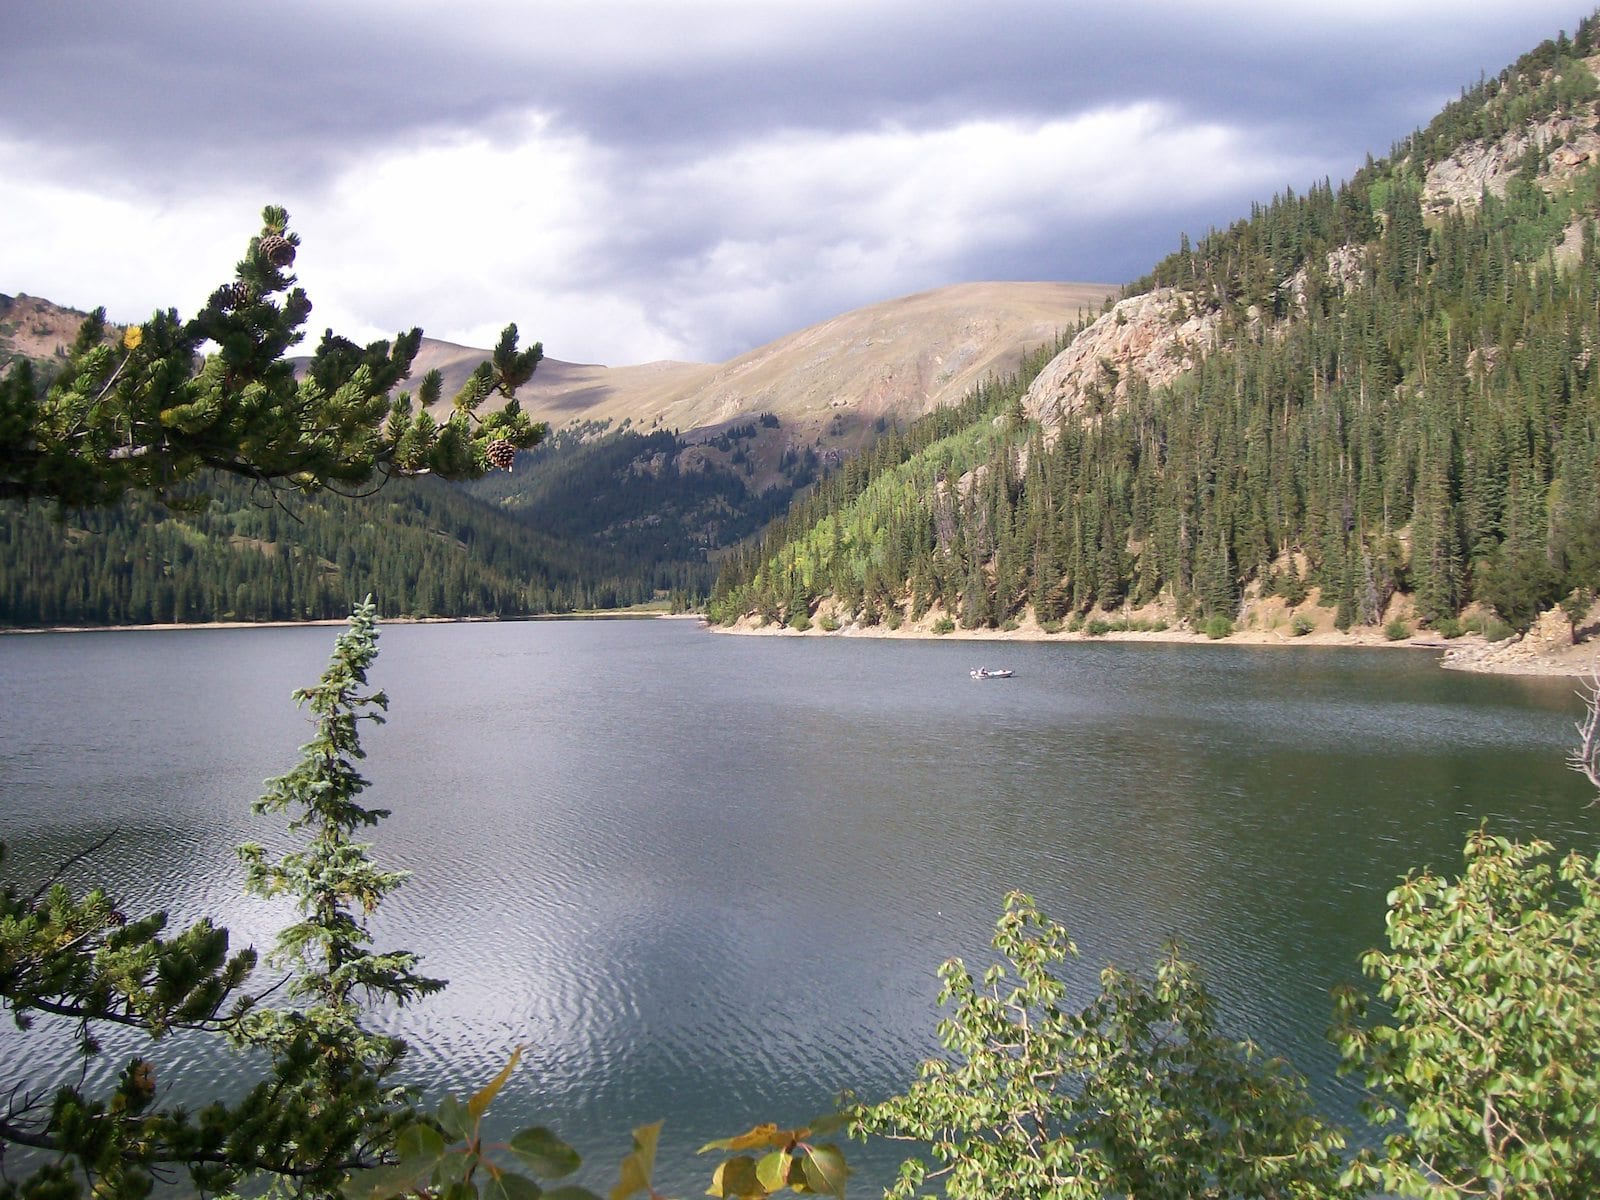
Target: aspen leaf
<point>508,1185</point>
<point>736,1178</point>
<point>761,1135</point>
<point>455,1118</point>
<point>419,1144</point>
<point>772,1172</point>
<point>543,1153</point>
<point>639,1163</point>
<point>479,1104</point>
<point>825,1170</point>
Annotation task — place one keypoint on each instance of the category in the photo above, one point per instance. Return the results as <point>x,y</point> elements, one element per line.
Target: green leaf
<point>479,1104</point>
<point>419,1143</point>
<point>508,1185</point>
<point>543,1153</point>
<point>638,1164</point>
<point>825,1170</point>
<point>828,1123</point>
<point>773,1170</point>
<point>455,1118</point>
<point>381,1183</point>
<point>736,1178</point>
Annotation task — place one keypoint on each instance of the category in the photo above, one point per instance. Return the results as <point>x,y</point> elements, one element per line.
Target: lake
<point>711,878</point>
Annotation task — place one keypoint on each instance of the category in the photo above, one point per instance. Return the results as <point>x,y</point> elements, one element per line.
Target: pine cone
<point>240,295</point>
<point>277,250</point>
<point>500,453</point>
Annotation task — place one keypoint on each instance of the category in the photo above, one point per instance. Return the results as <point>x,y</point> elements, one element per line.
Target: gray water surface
<point>711,878</point>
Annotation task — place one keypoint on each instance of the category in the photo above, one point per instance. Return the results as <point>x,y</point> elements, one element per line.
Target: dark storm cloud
<point>696,176</point>
<point>242,79</point>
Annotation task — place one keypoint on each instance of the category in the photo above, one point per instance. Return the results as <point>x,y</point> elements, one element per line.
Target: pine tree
<point>145,412</point>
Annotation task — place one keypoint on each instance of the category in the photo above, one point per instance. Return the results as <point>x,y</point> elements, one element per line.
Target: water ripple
<point>711,879</point>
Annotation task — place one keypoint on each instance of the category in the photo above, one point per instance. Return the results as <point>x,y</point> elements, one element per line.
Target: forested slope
<point>1380,395</point>
<point>420,546</point>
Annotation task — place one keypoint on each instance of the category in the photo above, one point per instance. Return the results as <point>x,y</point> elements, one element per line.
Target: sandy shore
<point>1547,649</point>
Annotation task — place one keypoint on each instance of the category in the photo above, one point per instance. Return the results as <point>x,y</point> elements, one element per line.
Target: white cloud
<point>85,246</point>
<point>795,218</point>
<point>466,230</point>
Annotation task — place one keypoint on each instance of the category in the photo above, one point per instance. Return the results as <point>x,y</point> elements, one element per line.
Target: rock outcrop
<point>1155,337</point>
<point>1570,145</point>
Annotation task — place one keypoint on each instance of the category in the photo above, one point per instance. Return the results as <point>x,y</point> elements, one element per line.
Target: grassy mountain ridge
<point>1380,396</point>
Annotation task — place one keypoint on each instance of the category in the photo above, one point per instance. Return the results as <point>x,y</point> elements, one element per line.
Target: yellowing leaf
<point>736,1179</point>
<point>761,1135</point>
<point>638,1165</point>
<point>132,336</point>
<point>479,1104</point>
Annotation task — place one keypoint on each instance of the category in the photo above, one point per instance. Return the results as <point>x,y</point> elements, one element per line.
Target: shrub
<point>829,624</point>
<point>800,622</point>
<point>1097,627</point>
<point>1490,1018</point>
<point>1496,630</point>
<point>1050,626</point>
<point>1136,1093</point>
<point>891,617</point>
<point>1397,630</point>
<point>1448,627</point>
<point>1301,625</point>
<point>1217,627</point>
<point>943,626</point>
<point>1011,625</point>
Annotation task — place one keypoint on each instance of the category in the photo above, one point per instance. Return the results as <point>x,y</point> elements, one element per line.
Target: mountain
<point>899,358</point>
<point>831,385</point>
<point>653,473</point>
<point>669,465</point>
<point>1376,404</point>
<point>35,329</point>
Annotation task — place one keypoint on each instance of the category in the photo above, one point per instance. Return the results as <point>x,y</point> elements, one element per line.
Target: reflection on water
<point>710,878</point>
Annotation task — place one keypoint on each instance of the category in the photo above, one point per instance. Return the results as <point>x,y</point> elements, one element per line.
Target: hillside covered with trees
<point>1391,405</point>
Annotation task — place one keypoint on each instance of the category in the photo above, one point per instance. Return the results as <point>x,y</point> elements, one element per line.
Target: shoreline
<point>1536,653</point>
<point>1543,651</point>
<point>620,614</point>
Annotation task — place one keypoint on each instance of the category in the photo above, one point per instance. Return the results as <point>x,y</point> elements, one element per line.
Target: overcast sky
<point>639,179</point>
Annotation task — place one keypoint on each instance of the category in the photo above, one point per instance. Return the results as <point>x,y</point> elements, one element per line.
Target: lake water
<point>710,878</point>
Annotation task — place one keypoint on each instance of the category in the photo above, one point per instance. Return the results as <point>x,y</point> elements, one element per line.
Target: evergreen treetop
<point>170,399</point>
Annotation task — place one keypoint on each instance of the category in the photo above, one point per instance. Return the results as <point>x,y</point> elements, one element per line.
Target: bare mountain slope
<point>35,329</point>
<point>897,359</point>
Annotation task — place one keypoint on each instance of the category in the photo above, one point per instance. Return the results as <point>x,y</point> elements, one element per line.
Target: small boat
<point>986,673</point>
